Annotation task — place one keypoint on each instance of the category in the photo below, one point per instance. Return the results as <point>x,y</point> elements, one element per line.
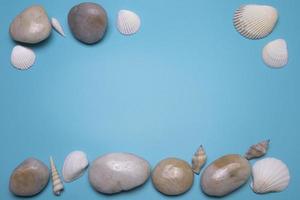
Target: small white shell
<point>22,57</point>
<point>270,175</point>
<point>275,53</point>
<point>198,160</point>
<point>74,166</point>
<point>255,21</point>
<point>57,26</point>
<point>128,22</point>
<point>57,185</point>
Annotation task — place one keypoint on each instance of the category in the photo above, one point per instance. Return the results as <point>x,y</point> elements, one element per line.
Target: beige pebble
<point>173,176</point>
<point>225,175</point>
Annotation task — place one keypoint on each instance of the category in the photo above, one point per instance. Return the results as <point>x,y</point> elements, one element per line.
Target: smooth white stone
<point>117,172</point>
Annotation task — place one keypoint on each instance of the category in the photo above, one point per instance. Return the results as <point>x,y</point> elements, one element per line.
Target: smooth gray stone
<point>117,172</point>
<point>88,22</point>
<point>29,178</point>
<point>31,26</point>
<point>225,175</point>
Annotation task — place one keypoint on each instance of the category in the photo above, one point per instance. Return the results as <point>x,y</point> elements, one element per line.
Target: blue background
<point>187,78</point>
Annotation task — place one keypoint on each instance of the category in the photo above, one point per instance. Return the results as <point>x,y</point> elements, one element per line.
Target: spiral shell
<point>57,185</point>
<point>257,150</point>
<point>57,26</point>
<point>255,21</point>
<point>198,160</point>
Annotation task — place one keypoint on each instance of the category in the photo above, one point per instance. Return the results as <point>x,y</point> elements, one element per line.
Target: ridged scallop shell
<point>57,26</point>
<point>57,185</point>
<point>74,166</point>
<point>275,53</point>
<point>22,57</point>
<point>128,22</point>
<point>255,21</point>
<point>270,175</point>
<point>198,160</point>
<point>257,150</point>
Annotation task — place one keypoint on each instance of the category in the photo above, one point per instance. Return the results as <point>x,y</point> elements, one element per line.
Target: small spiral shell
<point>198,160</point>
<point>257,150</point>
<point>57,184</point>
<point>57,26</point>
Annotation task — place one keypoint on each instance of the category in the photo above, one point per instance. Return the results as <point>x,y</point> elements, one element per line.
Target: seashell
<point>128,22</point>
<point>270,175</point>
<point>198,160</point>
<point>74,166</point>
<point>255,21</point>
<point>257,150</point>
<point>22,57</point>
<point>57,185</point>
<point>275,53</point>
<point>57,26</point>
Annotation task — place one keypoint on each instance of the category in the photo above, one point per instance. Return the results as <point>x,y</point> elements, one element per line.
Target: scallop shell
<point>22,57</point>
<point>74,166</point>
<point>270,175</point>
<point>275,53</point>
<point>57,26</point>
<point>257,150</point>
<point>57,185</point>
<point>128,22</point>
<point>255,21</point>
<point>198,160</point>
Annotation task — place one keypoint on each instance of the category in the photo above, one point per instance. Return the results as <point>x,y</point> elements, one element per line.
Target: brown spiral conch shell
<point>198,160</point>
<point>57,184</point>
<point>257,150</point>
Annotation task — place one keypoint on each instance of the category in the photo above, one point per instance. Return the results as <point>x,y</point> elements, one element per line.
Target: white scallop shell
<point>22,57</point>
<point>128,22</point>
<point>255,21</point>
<point>74,166</point>
<point>57,26</point>
<point>270,175</point>
<point>275,53</point>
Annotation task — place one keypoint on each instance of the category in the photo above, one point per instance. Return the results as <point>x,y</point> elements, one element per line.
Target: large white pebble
<point>117,172</point>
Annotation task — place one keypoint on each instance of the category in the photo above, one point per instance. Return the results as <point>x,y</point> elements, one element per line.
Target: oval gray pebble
<point>88,22</point>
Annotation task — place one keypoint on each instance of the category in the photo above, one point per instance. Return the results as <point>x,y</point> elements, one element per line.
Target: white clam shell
<point>22,57</point>
<point>57,26</point>
<point>128,22</point>
<point>74,166</point>
<point>270,175</point>
<point>275,53</point>
<point>255,21</point>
